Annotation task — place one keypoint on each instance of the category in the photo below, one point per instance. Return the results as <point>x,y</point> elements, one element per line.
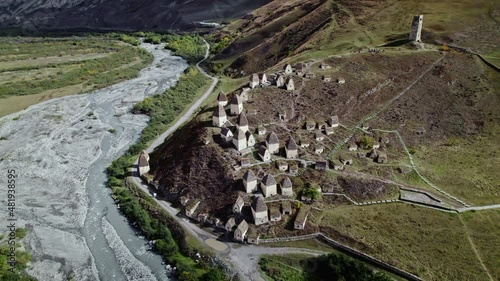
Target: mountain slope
<point>159,15</point>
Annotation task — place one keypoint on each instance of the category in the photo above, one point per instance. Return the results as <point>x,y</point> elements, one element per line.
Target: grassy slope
<point>40,69</point>
<point>427,242</point>
<point>484,231</point>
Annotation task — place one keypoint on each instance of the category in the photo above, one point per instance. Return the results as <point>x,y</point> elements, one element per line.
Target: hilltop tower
<point>416,28</point>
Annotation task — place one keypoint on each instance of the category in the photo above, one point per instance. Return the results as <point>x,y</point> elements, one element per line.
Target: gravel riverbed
<point>60,150</point>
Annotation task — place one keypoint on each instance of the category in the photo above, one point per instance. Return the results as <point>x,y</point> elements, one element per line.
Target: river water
<point>60,149</point>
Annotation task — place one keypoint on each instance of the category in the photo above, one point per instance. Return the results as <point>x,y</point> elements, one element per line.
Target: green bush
<point>129,39</point>
<point>335,267</point>
<point>153,39</point>
<point>366,142</point>
<point>190,47</point>
<point>312,191</point>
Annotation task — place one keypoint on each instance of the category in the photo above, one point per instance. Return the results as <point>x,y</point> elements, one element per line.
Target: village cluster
<point>240,136</point>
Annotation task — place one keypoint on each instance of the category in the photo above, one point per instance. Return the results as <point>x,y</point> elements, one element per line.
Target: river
<point>60,150</point>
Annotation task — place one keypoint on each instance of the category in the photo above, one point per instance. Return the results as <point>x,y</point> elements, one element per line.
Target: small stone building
<point>329,131</point>
<point>334,121</point>
<point>236,106</point>
<point>280,81</point>
<point>143,163</point>
<point>282,165</point>
<point>240,140</point>
<point>291,149</point>
<point>242,122</point>
<point>289,84</point>
<point>321,125</point>
<point>250,139</point>
<point>321,165</point>
<point>259,211</point>
<point>310,75</point>
<point>301,218</point>
<point>326,78</point>
<point>318,136</point>
<point>184,200</point>
<point>310,125</point>
<point>261,130</point>
<point>352,146</point>
<point>373,154</point>
<point>226,134</point>
<point>262,78</point>
<point>337,166</point>
<point>382,158</point>
<point>219,117</point>
<point>268,185</point>
<point>293,168</point>
<point>253,237</point>
<point>345,159</point>
<point>264,153</point>
<point>241,231</point>
<point>254,81</point>
<point>304,143</point>
<point>238,205</point>
<point>340,81</point>
<point>274,214</point>
<point>286,187</point>
<point>299,68</point>
<point>319,149</point>
<point>222,99</point>
<point>191,208</point>
<point>288,69</point>
<point>272,143</point>
<point>286,207</point>
<point>244,95</point>
<point>250,181</point>
<point>230,224</point>
<point>324,66</point>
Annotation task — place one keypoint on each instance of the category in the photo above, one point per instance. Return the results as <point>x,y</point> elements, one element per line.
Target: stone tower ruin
<point>416,28</point>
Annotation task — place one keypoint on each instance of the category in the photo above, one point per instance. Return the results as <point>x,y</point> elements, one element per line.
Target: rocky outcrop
<point>186,166</point>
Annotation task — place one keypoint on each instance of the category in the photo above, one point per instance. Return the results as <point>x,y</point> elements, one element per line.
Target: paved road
<point>191,110</point>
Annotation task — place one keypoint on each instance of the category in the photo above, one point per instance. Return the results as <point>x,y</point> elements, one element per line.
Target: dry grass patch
<point>426,242</point>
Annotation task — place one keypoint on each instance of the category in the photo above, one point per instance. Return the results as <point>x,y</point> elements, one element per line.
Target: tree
<point>367,142</point>
<point>214,274</point>
<point>312,191</point>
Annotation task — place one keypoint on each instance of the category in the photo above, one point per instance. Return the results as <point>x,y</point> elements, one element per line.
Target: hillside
<point>303,29</point>
<point>128,15</point>
<point>418,124</point>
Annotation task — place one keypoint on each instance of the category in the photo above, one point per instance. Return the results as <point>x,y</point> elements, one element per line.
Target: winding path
<point>184,118</point>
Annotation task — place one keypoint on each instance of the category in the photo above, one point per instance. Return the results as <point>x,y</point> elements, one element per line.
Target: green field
<point>33,70</point>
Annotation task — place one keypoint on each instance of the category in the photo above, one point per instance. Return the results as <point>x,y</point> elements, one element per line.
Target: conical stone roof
<point>222,97</point>
<point>286,183</point>
<point>272,138</point>
<point>268,180</point>
<point>249,176</point>
<point>258,205</point>
<point>242,120</point>
<point>291,144</point>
